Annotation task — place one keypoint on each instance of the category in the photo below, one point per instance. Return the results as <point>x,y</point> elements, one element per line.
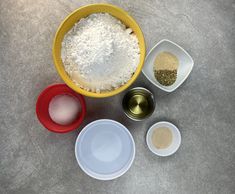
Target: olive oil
<point>138,103</point>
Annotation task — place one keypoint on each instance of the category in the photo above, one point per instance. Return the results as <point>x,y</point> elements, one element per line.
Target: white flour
<point>100,53</point>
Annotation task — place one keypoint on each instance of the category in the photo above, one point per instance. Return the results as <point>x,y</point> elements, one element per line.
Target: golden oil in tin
<point>138,103</point>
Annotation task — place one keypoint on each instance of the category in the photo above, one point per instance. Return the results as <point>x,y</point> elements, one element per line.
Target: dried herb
<point>166,77</point>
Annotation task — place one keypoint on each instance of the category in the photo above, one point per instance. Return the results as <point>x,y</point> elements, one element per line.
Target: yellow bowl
<point>74,17</point>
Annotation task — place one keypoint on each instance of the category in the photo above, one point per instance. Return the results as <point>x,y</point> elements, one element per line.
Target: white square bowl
<point>185,64</point>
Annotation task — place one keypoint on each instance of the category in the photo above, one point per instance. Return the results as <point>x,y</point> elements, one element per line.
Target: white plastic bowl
<point>176,139</point>
<point>105,149</point>
<point>185,64</point>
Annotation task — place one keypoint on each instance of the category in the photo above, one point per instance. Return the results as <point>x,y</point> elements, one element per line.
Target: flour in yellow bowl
<point>100,53</point>
<point>75,17</point>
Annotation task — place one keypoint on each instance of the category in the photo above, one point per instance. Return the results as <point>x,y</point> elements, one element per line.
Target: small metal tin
<point>138,103</point>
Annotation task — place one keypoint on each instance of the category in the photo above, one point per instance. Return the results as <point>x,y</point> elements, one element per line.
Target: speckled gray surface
<point>33,160</point>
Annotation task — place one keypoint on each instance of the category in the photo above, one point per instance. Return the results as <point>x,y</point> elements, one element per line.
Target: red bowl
<point>43,103</point>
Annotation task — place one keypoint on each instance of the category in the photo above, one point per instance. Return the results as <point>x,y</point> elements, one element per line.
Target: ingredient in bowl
<point>64,109</point>
<point>100,53</point>
<point>165,68</point>
<point>138,103</point>
<point>162,137</point>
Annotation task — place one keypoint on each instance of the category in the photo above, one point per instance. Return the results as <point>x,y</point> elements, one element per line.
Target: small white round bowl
<point>105,149</point>
<point>176,139</point>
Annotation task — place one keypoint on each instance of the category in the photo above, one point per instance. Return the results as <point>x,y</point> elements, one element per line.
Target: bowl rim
<point>82,91</point>
<point>163,123</point>
<point>115,174</point>
<point>185,76</point>
<point>68,127</point>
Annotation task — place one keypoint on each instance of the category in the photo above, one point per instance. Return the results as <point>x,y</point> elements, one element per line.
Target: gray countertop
<point>33,160</point>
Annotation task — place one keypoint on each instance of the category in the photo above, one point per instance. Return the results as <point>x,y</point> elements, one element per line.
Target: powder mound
<point>99,53</point>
